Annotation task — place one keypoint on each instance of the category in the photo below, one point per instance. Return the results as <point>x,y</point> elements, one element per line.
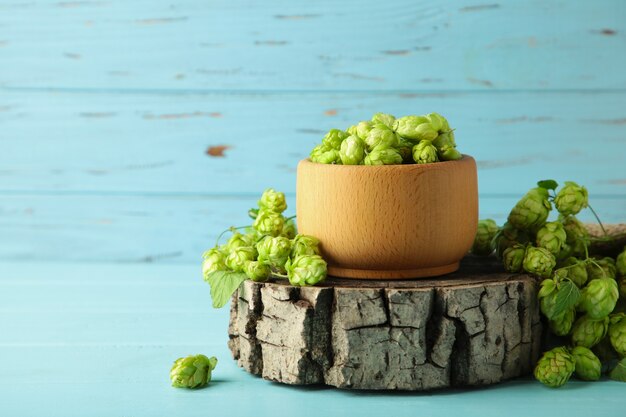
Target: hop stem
<point>276,274</point>
<point>230,229</point>
<point>598,219</point>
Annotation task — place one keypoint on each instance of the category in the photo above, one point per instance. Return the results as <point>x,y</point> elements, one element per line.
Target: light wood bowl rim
<point>413,166</point>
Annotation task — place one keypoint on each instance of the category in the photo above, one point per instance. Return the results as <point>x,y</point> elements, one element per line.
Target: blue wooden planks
<point>287,45</point>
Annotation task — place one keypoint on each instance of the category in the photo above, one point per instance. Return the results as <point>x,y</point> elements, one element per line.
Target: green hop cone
<point>532,210</point>
<point>588,332</point>
<point>588,366</point>
<point>274,251</point>
<point>304,245</point>
<point>577,235</point>
<point>601,268</point>
<point>438,122</point>
<point>621,285</point>
<point>269,223</point>
<point>272,200</point>
<point>551,236</point>
<point>562,324</point>
<point>571,199</point>
<point>333,138</point>
<point>405,149</point>
<point>381,155</point>
<point>381,136</point>
<point>555,367</point>
<point>620,263</point>
<point>363,130</point>
<point>238,240</point>
<point>236,260</point>
<point>257,271</point>
<point>538,261</point>
<point>506,237</point>
<point>306,270</point>
<point>446,147</point>
<point>617,333</point>
<point>329,157</point>
<point>599,297</point>
<point>425,153</point>
<point>194,371</point>
<point>213,260</point>
<point>352,151</point>
<point>513,258</point>
<point>317,152</point>
<point>415,128</point>
<point>351,131</point>
<point>289,229</point>
<point>576,271</point>
<point>383,118</point>
<point>486,231</point>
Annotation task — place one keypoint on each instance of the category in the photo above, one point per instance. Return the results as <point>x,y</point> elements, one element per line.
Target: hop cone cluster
<point>579,296</point>
<point>193,371</point>
<point>385,140</point>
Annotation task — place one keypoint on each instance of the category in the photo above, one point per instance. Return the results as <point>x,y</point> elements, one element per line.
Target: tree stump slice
<point>477,326</point>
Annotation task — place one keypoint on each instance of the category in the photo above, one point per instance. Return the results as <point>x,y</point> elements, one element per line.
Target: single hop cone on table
<point>588,367</point>
<point>538,261</point>
<point>555,367</point>
<point>192,371</point>
<point>532,210</point>
<point>571,199</point>
<point>425,153</point>
<point>273,200</point>
<point>304,245</point>
<point>598,297</point>
<point>562,324</point>
<point>237,259</point>
<point>617,333</point>
<point>486,231</point>
<point>269,223</point>
<point>589,332</point>
<point>552,237</point>
<point>274,251</point>
<point>257,271</point>
<point>306,270</point>
<point>213,260</point>
<point>381,155</point>
<point>352,151</point>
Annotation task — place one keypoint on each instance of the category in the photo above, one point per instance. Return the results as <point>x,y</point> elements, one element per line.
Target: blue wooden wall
<point>135,131</point>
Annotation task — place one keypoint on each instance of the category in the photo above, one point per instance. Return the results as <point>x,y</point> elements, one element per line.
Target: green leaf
<point>223,286</point>
<point>548,184</point>
<point>566,297</point>
<point>619,372</point>
<point>253,213</point>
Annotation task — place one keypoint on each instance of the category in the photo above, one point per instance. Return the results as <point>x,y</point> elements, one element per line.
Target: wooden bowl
<point>390,221</point>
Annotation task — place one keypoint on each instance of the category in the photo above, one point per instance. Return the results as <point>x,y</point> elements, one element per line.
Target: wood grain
<point>394,221</point>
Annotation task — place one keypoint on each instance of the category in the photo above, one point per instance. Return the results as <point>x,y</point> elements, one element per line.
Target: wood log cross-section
<point>477,326</point>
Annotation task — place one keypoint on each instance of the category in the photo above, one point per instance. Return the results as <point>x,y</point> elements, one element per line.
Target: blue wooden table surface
<point>133,132</point>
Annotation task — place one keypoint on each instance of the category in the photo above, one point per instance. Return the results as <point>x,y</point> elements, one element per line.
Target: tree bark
<point>477,326</point>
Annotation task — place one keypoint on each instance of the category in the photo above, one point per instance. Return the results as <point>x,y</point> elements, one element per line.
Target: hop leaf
<point>555,367</point>
<point>588,366</point>
<point>538,261</point>
<point>557,297</point>
<point>487,229</point>
<point>194,371</point>
<point>548,184</point>
<point>571,199</point>
<point>223,286</point>
<point>306,270</point>
<point>588,332</point>
<point>425,153</point>
<point>352,151</point>
<point>532,210</point>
